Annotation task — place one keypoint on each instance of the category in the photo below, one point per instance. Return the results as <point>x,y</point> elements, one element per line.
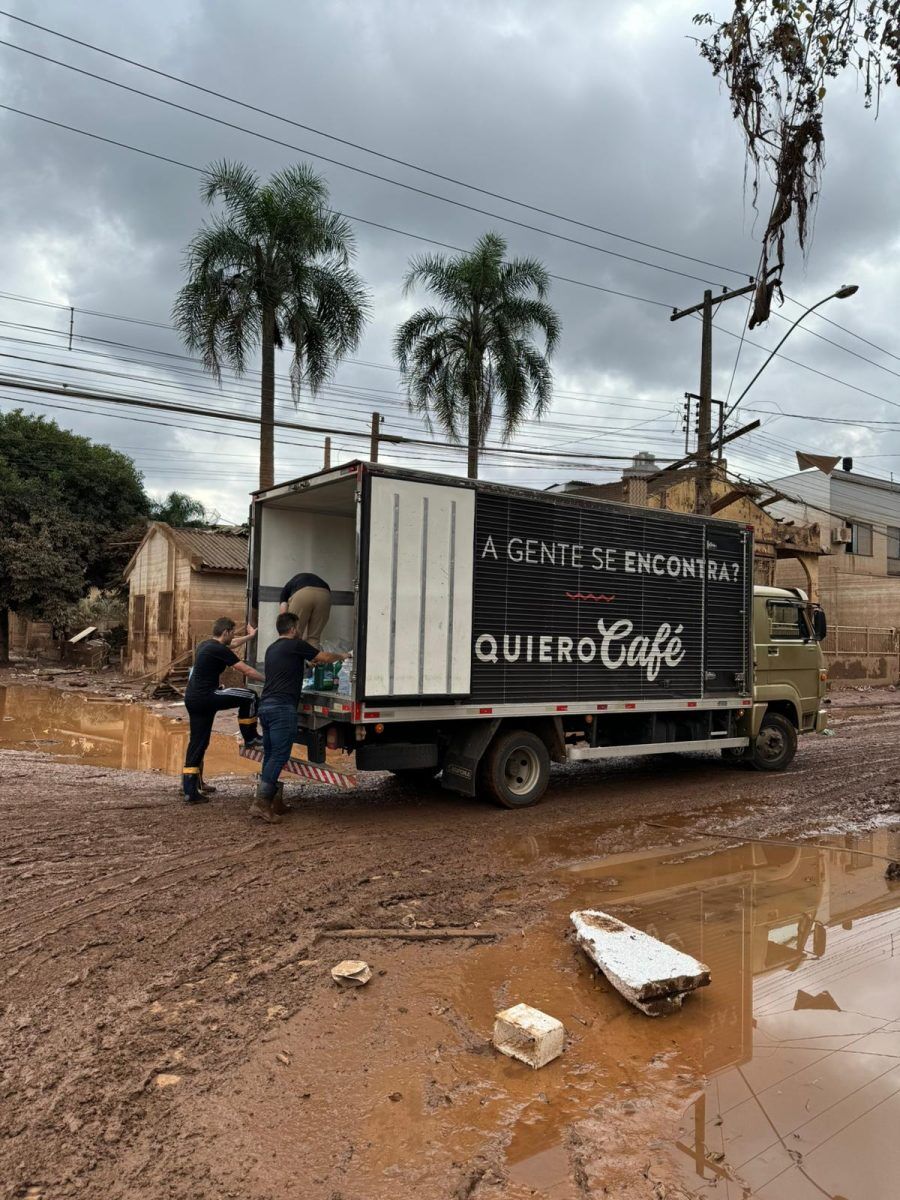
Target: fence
<point>862,654</point>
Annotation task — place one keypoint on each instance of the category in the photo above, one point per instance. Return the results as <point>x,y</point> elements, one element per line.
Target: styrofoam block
<point>649,973</point>
<point>529,1035</point>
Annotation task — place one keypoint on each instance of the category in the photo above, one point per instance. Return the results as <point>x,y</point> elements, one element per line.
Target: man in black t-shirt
<point>286,661</point>
<point>309,598</point>
<point>204,698</point>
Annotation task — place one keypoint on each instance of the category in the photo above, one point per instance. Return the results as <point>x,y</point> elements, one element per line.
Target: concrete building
<point>774,540</point>
<point>179,582</point>
<point>859,572</point>
<point>859,522</point>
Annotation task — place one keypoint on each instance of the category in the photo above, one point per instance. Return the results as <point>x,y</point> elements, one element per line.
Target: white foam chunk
<point>649,973</point>
<point>529,1035</point>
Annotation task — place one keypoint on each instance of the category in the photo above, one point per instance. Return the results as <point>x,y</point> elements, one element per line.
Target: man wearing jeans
<point>286,661</point>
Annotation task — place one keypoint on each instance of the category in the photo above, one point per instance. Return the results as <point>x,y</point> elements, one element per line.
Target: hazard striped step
<point>307,770</point>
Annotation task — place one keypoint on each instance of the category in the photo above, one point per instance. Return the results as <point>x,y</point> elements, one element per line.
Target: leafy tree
<point>63,501</point>
<point>777,58</point>
<point>273,268</point>
<point>475,351</point>
<point>181,511</point>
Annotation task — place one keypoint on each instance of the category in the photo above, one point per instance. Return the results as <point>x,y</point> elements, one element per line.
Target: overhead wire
<point>411,166</point>
<point>336,162</point>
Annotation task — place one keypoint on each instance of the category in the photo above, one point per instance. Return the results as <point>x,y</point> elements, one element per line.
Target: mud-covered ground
<point>169,1024</point>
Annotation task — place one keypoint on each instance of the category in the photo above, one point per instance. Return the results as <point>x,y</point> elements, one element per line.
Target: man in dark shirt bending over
<point>286,661</point>
<point>309,598</point>
<point>203,699</point>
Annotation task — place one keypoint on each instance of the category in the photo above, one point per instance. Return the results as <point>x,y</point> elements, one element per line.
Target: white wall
<point>294,539</point>
<point>810,502</point>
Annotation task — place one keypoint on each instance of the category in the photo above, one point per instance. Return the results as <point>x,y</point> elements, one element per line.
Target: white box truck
<point>497,629</point>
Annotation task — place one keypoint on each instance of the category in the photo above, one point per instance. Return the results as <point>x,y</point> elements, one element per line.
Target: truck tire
<point>775,745</point>
<point>515,770</point>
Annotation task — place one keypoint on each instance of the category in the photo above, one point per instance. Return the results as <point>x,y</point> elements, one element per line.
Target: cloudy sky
<point>600,113</point>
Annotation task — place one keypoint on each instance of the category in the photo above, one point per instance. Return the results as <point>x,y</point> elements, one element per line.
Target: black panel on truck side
<point>728,608</point>
<point>594,602</point>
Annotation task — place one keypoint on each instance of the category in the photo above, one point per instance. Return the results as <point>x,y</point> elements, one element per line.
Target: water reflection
<point>105,732</point>
<point>802,1045</point>
<point>798,1034</point>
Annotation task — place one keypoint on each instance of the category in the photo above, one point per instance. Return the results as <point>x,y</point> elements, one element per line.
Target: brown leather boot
<point>261,807</point>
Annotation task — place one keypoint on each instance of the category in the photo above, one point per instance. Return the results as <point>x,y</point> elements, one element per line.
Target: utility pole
<point>703,456</point>
<point>373,442</point>
<point>326,465</point>
<point>704,424</point>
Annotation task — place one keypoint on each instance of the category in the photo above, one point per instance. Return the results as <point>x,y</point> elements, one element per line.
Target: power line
<point>194,410</point>
<point>393,395</point>
<point>358,146</point>
<point>411,166</point>
<point>418,237</point>
<point>336,162</point>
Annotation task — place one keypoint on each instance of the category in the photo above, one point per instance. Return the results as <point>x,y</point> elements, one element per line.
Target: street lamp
<point>843,293</point>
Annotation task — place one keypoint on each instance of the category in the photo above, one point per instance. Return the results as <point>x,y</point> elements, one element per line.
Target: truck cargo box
<point>466,596</point>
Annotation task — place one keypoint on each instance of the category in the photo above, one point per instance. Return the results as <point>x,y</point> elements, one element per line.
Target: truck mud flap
<point>306,770</point>
<point>397,756</point>
<point>464,754</point>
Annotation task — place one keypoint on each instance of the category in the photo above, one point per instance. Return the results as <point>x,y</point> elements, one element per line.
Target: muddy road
<point>170,1027</point>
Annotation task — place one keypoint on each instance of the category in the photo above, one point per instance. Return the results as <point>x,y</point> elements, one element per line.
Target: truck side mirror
<point>820,624</point>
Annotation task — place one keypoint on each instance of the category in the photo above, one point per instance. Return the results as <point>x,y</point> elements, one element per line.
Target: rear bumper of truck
<point>313,772</point>
<point>821,720</point>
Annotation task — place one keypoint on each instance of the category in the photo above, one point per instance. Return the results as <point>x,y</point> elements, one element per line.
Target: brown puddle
<point>106,733</point>
<point>786,1068</point>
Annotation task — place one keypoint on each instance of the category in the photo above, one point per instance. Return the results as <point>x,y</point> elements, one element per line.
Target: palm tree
<point>272,268</point>
<point>475,351</point>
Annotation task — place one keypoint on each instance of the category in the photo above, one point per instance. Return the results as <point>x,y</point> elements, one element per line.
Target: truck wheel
<point>775,745</point>
<point>516,769</point>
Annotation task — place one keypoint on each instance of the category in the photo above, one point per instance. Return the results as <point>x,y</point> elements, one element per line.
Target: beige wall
<point>198,598</point>
<point>215,595</point>
<point>153,572</point>
<point>850,594</point>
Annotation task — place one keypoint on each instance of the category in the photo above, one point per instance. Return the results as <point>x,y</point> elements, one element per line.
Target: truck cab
<point>789,676</point>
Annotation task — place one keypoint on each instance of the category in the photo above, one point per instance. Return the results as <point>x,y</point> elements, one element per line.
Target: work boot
<point>190,787</point>
<point>204,788</point>
<point>250,733</point>
<point>280,806</point>
<point>262,803</point>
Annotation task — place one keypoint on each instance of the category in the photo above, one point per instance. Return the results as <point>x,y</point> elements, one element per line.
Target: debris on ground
<point>652,975</point>
<point>412,934</point>
<point>529,1035</point>
<point>351,973</point>
<point>892,871</point>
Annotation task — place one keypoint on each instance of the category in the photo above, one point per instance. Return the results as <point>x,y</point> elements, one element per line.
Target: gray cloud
<point>604,113</point>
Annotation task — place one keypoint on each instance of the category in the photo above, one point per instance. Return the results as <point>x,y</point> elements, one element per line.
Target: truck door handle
<point>773,651</point>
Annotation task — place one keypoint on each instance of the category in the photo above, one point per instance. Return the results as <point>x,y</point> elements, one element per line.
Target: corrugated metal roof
<point>213,551</point>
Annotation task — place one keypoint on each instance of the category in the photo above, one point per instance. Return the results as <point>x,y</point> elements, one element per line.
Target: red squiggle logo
<point>601,599</point>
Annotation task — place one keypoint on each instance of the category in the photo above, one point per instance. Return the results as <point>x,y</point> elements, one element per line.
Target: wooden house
<point>179,582</point>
